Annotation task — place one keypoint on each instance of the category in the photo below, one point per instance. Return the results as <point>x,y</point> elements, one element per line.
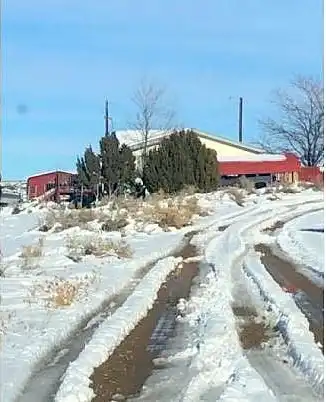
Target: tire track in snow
<point>288,384</point>
<point>307,296</point>
<point>46,379</point>
<point>257,337</point>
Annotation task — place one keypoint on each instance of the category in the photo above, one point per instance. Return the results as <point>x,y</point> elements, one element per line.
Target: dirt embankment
<point>128,367</point>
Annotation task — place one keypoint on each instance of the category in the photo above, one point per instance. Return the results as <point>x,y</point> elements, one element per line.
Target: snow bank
<point>112,332</point>
<point>303,246</point>
<point>292,323</point>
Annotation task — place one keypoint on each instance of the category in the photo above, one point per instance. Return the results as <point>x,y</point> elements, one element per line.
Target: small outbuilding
<point>50,186</point>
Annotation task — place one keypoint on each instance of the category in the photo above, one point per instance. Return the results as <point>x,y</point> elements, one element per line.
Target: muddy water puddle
<point>308,296</point>
<point>253,331</point>
<point>127,369</point>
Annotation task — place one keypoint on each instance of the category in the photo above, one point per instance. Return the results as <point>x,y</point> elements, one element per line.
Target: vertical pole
<point>240,118</point>
<point>106,117</point>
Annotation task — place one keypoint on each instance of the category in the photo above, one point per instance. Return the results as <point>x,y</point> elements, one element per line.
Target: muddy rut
<point>127,369</point>
<point>306,294</point>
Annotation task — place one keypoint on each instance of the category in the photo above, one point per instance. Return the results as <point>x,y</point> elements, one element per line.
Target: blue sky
<point>61,59</point>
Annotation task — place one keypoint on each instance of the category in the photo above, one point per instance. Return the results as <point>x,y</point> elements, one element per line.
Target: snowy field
<point>54,282</point>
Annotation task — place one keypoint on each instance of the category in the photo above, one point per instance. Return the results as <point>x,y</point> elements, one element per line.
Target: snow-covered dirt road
<point>200,341</point>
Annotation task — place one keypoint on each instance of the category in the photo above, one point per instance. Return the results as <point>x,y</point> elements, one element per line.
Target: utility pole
<point>106,117</point>
<point>240,118</point>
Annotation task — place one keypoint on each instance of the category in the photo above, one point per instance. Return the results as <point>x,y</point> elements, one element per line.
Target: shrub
<point>70,218</point>
<point>247,184</point>
<point>173,213</point>
<point>113,225</point>
<point>236,195</point>
<point>81,246</point>
<point>60,292</point>
<point>188,190</point>
<point>289,188</point>
<point>30,255</point>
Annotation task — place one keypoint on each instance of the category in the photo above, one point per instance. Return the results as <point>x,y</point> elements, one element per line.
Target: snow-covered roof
<point>134,138</point>
<point>52,171</point>
<point>252,158</point>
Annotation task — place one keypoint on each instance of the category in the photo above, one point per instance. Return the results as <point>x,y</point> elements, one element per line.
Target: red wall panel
<point>290,164</point>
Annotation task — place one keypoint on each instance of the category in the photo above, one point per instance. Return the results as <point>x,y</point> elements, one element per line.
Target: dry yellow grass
<point>247,184</point>
<point>66,219</point>
<point>236,195</point>
<point>81,246</point>
<point>60,292</point>
<point>177,212</point>
<point>31,254</point>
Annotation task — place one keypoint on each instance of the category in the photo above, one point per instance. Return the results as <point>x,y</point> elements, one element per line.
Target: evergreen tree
<point>93,166</point>
<point>109,146</point>
<point>82,174</point>
<point>127,165</point>
<point>88,169</point>
<point>181,160</point>
<point>118,163</point>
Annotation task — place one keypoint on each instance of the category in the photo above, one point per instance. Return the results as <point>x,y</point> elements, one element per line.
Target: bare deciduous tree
<point>152,112</point>
<point>300,128</point>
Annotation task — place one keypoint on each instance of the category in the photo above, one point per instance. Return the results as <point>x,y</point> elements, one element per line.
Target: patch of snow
<point>300,240</point>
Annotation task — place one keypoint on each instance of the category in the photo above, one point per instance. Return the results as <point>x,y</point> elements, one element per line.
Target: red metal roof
<point>290,164</point>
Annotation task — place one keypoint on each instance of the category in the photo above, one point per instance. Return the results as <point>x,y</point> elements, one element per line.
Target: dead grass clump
<point>247,184</point>
<point>126,205</point>
<point>61,292</point>
<point>191,203</point>
<point>236,195</point>
<point>318,185</point>
<point>172,216</point>
<point>30,255</point>
<point>114,225</point>
<point>81,246</point>
<point>169,215</point>
<point>160,195</point>
<point>70,218</point>
<point>188,190</point>
<point>288,188</point>
<point>177,212</point>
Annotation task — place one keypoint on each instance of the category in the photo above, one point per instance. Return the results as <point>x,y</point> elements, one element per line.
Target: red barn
<point>50,185</point>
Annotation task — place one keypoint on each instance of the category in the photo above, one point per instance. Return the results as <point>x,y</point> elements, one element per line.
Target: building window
<point>49,186</point>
